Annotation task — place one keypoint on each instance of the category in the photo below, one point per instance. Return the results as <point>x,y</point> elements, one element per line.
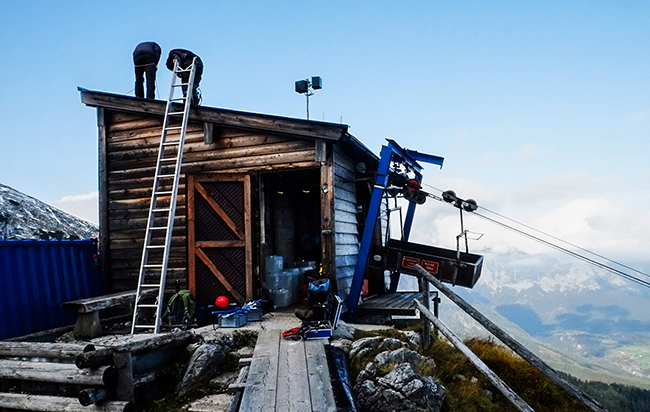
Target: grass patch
<point>384,333</point>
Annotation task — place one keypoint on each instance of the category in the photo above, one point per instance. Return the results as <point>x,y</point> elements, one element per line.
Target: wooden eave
<point>221,117</point>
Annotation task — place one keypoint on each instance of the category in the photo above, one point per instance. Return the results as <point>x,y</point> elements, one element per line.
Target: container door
<point>219,237</point>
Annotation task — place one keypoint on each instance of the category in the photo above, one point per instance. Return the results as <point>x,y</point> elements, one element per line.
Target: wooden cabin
<point>252,185</point>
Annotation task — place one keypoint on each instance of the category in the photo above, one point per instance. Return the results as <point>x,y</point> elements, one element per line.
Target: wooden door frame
<point>192,180</point>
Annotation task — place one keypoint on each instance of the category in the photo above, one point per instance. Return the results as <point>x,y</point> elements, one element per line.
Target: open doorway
<point>291,216</point>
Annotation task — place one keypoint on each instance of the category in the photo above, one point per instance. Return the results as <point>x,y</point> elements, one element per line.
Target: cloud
<point>84,206</point>
<point>599,213</point>
<point>528,152</point>
<point>639,117</point>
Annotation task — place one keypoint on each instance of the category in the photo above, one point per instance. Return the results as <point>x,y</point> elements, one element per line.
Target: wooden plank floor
<point>288,376</point>
<point>398,303</point>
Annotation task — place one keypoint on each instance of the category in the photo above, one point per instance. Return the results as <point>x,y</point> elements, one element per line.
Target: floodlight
<point>302,86</point>
<point>307,88</point>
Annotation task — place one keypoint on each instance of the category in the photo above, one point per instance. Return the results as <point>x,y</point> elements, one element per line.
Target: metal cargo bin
<point>441,263</point>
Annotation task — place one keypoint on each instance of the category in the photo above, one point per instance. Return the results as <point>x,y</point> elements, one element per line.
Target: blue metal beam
<point>388,154</point>
<point>381,180</point>
<point>433,159</point>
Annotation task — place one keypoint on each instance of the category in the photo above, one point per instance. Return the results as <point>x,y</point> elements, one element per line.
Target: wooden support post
<point>104,249</point>
<point>208,133</point>
<point>426,327</point>
<point>87,325</point>
<point>586,400</point>
<point>124,368</point>
<point>519,403</point>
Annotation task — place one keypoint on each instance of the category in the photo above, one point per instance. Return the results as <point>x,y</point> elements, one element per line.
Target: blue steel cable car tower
<point>390,153</point>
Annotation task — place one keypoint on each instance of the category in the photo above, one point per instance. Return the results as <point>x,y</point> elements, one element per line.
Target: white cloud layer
<point>83,206</point>
<point>595,213</point>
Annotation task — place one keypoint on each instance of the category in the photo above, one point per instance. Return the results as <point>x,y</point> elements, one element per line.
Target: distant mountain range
<point>581,319</point>
<point>23,217</point>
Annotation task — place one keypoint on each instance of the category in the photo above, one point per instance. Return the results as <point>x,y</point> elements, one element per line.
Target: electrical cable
<point>560,248</point>
<point>566,242</point>
<point>569,252</point>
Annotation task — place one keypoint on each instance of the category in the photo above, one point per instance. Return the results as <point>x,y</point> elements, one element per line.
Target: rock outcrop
<point>396,379</point>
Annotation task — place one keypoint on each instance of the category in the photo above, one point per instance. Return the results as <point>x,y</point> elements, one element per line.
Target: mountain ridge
<point>23,217</point>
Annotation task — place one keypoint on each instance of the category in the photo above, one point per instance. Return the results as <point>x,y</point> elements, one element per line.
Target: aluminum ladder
<point>158,237</point>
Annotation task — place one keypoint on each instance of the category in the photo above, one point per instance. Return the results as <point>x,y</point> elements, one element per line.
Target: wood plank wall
<point>131,150</point>
<point>345,219</point>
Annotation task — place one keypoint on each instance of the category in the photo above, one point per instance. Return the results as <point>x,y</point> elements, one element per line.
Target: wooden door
<point>219,237</point>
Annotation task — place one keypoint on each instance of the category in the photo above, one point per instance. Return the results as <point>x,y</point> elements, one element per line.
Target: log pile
<point>104,375</point>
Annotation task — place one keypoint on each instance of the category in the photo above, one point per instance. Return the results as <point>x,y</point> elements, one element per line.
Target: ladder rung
<point>181,84</point>
<point>169,159</point>
<point>145,326</point>
<point>158,228</point>
<point>155,246</point>
<point>175,113</point>
<point>153,266</point>
<point>165,176</point>
<point>147,305</point>
<point>173,127</point>
<point>176,99</point>
<point>161,210</point>
<point>165,192</point>
<point>171,143</point>
<point>149,285</point>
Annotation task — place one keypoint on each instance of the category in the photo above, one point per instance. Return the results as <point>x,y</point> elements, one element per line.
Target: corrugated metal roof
<point>37,277</point>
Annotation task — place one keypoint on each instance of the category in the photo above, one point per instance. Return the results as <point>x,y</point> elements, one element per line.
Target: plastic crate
<point>232,320</point>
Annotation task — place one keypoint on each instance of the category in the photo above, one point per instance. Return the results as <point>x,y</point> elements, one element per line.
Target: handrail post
<point>426,325</point>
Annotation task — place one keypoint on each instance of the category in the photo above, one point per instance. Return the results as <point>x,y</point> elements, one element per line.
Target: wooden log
<point>44,403</point>
<point>135,124</point>
<point>55,372</point>
<point>91,396</point>
<point>62,351</point>
<point>104,356</point>
<point>199,151</point>
<point>515,399</point>
<point>518,348</point>
<point>277,159</point>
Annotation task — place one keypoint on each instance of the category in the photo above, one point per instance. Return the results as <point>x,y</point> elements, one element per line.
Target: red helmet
<point>222,302</point>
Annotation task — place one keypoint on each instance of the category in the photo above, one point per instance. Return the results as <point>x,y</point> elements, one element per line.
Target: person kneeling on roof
<point>184,59</point>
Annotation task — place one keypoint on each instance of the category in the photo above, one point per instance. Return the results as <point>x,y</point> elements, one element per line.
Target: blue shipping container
<point>38,276</point>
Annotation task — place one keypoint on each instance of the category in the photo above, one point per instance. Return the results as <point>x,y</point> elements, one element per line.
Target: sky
<point>540,109</point>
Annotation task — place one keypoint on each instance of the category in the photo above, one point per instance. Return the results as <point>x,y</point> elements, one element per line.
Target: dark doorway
<point>292,216</point>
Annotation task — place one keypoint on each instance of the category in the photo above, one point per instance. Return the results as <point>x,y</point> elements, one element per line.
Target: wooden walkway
<point>288,376</point>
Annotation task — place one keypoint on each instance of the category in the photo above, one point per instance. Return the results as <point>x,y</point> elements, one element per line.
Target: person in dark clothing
<point>185,58</point>
<point>145,58</point>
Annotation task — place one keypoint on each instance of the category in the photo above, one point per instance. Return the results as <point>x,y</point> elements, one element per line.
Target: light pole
<point>307,88</point>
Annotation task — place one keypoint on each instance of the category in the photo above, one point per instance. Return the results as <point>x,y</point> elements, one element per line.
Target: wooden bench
<point>287,376</point>
<point>88,325</point>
